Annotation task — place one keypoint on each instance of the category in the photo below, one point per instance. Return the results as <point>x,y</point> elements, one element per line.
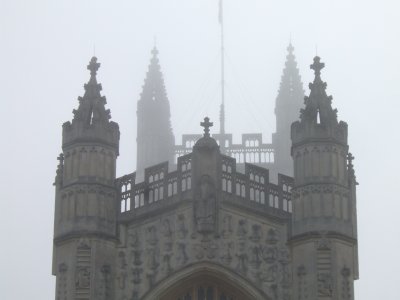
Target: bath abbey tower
<point>207,219</point>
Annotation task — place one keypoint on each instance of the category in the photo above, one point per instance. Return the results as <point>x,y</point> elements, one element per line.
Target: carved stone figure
<point>242,229</point>
<point>182,256</point>
<point>137,261</point>
<point>226,257</point>
<point>269,273</point>
<point>256,233</point>
<point>206,249</point>
<point>167,232</point>
<point>270,254</point>
<point>272,237</point>
<point>82,277</point>
<point>136,275</point>
<point>227,226</point>
<point>134,239</point>
<point>182,231</point>
<point>255,256</point>
<point>151,235</point>
<point>205,205</point>
<point>167,263</point>
<point>324,284</point>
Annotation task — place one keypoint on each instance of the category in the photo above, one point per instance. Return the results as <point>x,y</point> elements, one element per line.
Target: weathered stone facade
<point>205,230</point>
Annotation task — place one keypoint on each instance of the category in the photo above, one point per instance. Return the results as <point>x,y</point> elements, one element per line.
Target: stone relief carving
<point>256,233</point>
<point>269,273</point>
<point>205,205</point>
<point>151,235</point>
<point>255,256</point>
<point>242,229</point>
<point>226,257</point>
<point>325,284</point>
<point>227,226</point>
<point>182,231</point>
<point>346,287</point>
<point>242,257</point>
<point>272,237</point>
<point>122,274</point>
<point>167,268</point>
<point>62,290</point>
<point>182,256</point>
<point>206,248</point>
<point>134,239</point>
<point>167,232</point>
<point>302,284</point>
<point>137,275</point>
<point>105,284</point>
<point>82,277</point>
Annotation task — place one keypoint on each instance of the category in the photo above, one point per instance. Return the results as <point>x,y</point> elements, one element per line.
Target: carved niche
<point>205,205</point>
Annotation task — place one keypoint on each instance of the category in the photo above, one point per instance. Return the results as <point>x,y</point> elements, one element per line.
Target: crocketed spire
<point>318,120</point>
<point>91,121</point>
<point>91,108</point>
<point>318,106</point>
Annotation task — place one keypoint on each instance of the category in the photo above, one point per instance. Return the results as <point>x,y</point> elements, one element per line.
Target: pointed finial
<point>154,51</point>
<point>317,66</point>
<point>290,48</point>
<point>206,124</point>
<point>93,66</point>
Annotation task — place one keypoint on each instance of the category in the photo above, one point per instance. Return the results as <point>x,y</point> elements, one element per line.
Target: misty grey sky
<point>46,45</point>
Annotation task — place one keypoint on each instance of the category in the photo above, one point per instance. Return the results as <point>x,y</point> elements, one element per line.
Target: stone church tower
<point>205,230</point>
<point>155,139</point>
<point>288,103</point>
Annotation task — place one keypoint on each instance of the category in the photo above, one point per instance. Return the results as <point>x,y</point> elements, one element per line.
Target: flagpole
<point>222,107</point>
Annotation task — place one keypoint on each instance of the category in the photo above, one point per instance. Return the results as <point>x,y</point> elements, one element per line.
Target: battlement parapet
<point>161,188</point>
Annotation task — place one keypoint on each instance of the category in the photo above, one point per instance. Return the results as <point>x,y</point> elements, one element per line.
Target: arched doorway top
<point>216,274</point>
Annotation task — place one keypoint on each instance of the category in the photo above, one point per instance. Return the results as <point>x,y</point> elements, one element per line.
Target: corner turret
<point>324,225</point>
<point>85,225</point>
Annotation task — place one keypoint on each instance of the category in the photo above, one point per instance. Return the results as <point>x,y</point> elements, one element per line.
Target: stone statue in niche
<point>242,263</point>
<point>82,278</point>
<point>122,260</point>
<point>269,254</point>
<point>205,205</point>
<point>105,287</point>
<point>167,263</point>
<point>137,261</point>
<point>152,235</point>
<point>136,275</point>
<point>167,232</point>
<point>152,258</point>
<point>134,239</point>
<point>272,237</point>
<point>256,233</point>
<point>121,278</point>
<point>283,255</point>
<point>182,231</point>
<point>182,256</point>
<point>226,257</point>
<point>227,226</point>
<point>346,289</point>
<point>324,284</point>
<point>242,229</point>
<point>255,256</point>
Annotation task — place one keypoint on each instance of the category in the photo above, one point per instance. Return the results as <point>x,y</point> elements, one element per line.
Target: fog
<point>45,47</point>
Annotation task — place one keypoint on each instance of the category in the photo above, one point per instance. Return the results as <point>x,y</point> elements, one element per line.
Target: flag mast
<point>222,107</point>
